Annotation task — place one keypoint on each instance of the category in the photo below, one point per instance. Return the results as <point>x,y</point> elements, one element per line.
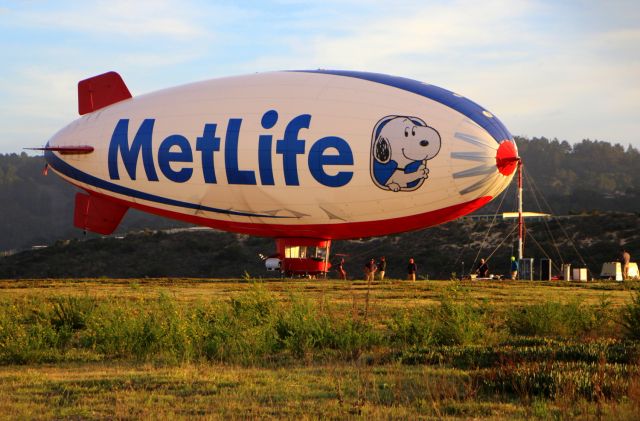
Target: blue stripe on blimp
<point>64,168</point>
<point>463,105</point>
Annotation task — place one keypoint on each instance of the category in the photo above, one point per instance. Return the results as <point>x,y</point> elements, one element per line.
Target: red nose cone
<point>507,157</point>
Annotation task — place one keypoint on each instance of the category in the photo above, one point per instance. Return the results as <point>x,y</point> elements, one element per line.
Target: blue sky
<point>565,69</point>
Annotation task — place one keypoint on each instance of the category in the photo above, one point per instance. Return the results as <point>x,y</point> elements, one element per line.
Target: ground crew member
<point>382,267</point>
<point>514,268</point>
<point>341,272</point>
<point>483,269</point>
<point>370,269</point>
<point>412,268</point>
<point>625,259</point>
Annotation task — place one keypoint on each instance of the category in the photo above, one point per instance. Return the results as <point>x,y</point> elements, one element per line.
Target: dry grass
<point>211,391</point>
<point>385,296</point>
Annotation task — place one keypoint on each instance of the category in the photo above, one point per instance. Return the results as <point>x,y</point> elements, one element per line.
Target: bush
<point>570,319</point>
<point>458,322</point>
<point>630,317</point>
<point>26,333</point>
<point>413,328</point>
<point>301,329</point>
<point>241,330</point>
<point>69,315</point>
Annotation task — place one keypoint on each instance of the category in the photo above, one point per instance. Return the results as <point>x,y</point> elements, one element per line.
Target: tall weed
<point>69,315</point>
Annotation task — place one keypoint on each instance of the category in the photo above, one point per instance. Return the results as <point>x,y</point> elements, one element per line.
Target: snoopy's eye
<point>406,132</point>
<point>413,131</point>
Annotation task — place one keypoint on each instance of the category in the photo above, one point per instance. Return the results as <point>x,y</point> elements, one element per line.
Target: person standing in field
<point>412,268</point>
<point>625,258</point>
<point>514,268</point>
<point>483,269</point>
<point>382,267</point>
<point>341,272</point>
<point>370,269</point>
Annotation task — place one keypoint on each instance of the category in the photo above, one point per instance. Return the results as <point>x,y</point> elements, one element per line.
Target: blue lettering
<point>176,148</point>
<point>290,147</point>
<point>129,155</point>
<point>207,144</point>
<point>166,156</point>
<point>234,174</point>
<point>317,161</point>
<point>269,119</point>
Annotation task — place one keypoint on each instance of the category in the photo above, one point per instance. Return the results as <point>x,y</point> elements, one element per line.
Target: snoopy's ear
<point>382,150</point>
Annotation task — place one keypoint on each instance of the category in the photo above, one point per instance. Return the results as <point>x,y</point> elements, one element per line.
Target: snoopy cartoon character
<point>400,149</point>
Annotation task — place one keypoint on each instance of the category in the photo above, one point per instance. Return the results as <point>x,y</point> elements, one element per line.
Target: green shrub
<point>241,330</point>
<point>301,329</point>
<point>456,321</point>
<point>414,328</point>
<point>351,337</point>
<point>69,315</point>
<point>26,334</point>
<point>459,323</point>
<point>143,330</point>
<point>553,318</point>
<point>630,317</point>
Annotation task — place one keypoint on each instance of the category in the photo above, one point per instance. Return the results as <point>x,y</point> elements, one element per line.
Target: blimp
<point>302,156</point>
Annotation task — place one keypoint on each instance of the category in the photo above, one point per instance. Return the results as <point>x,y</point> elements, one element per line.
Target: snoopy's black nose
<point>424,143</point>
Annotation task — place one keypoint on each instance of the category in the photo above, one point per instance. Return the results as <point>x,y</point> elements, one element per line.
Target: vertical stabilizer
<point>101,91</point>
<point>97,214</point>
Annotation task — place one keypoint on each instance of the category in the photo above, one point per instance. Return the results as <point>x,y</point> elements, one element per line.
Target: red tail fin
<point>95,214</point>
<point>100,91</point>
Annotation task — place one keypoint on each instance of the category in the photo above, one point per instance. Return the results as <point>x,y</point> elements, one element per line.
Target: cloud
<point>38,104</point>
<point>119,18</point>
<point>414,39</point>
<point>544,71</point>
<point>43,94</point>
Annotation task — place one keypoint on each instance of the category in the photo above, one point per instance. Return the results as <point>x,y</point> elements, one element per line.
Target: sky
<point>559,69</point>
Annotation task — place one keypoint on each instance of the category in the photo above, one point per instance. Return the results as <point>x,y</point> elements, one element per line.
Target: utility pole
<point>520,218</point>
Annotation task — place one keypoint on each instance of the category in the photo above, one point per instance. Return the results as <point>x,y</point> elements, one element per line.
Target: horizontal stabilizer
<point>97,214</point>
<point>66,150</point>
<point>101,91</point>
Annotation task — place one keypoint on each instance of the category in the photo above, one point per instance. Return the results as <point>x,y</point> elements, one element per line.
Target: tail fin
<point>96,214</point>
<point>101,91</point>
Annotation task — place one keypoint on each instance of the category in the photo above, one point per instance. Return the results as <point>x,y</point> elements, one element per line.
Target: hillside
<point>439,251</point>
<point>38,209</point>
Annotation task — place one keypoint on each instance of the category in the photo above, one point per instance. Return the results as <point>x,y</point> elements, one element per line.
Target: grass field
<point>184,348</point>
